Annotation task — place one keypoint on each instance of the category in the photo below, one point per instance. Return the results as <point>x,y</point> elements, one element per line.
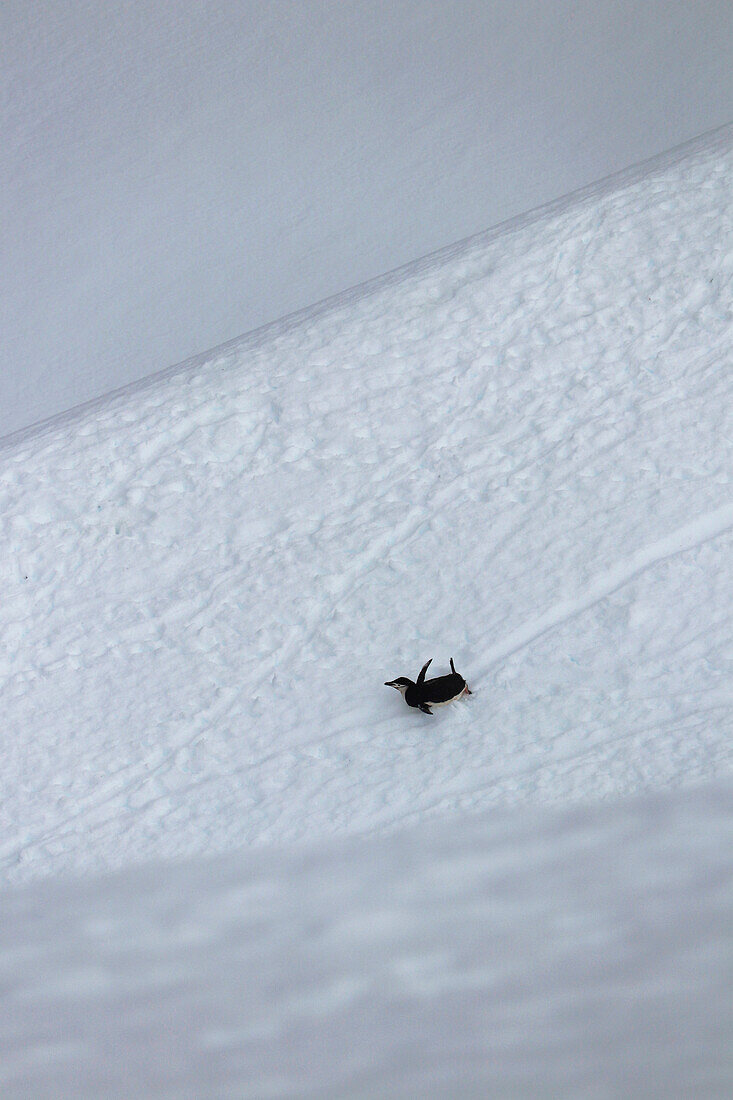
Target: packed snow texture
<point>518,453</point>
<point>175,174</point>
<point>574,954</point>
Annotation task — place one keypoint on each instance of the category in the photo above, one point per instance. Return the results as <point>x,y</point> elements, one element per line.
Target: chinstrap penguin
<point>431,693</point>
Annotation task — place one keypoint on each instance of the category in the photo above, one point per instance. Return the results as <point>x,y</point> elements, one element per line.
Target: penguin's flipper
<point>423,670</point>
<point>452,667</point>
<point>424,707</point>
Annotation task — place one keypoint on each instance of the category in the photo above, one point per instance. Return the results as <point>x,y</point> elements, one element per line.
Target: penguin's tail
<point>452,667</point>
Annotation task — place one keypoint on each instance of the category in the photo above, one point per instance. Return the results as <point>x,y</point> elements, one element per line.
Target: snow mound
<point>518,454</point>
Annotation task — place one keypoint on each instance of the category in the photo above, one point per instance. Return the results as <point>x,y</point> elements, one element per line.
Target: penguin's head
<point>401,683</point>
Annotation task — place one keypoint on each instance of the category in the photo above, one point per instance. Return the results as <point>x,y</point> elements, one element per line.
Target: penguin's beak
<point>390,684</point>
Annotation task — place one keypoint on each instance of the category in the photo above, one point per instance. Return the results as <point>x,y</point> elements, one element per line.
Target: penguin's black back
<point>440,690</point>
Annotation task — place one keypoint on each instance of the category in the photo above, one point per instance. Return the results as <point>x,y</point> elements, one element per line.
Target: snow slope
<point>582,953</point>
<point>518,453</point>
<point>174,174</point>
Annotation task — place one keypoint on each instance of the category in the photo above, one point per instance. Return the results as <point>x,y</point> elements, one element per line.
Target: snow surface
<point>518,453</point>
<point>581,953</point>
<point>175,174</point>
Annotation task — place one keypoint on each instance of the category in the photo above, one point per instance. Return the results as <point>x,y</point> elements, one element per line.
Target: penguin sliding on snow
<point>431,693</point>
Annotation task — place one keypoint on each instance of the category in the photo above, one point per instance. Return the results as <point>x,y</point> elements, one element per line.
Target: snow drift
<point>518,454</point>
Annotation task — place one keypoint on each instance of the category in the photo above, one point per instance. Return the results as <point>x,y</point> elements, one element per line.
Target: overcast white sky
<point>174,175</point>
